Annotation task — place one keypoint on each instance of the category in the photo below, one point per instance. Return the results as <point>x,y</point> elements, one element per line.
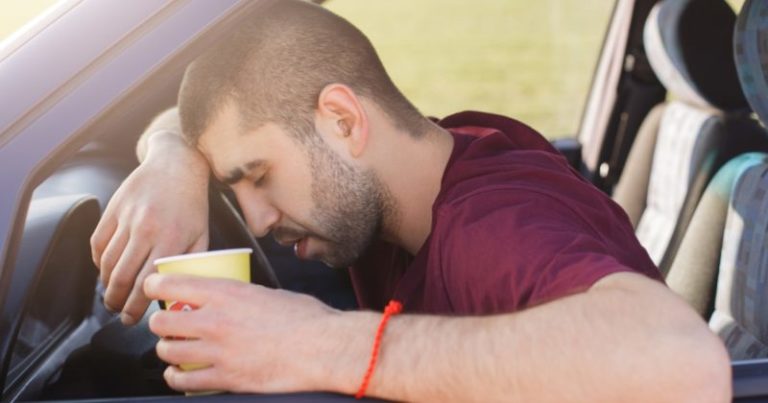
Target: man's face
<point>306,194</point>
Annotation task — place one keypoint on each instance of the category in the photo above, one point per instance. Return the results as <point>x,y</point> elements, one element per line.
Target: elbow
<point>685,360</point>
<point>714,382</point>
<point>703,369</point>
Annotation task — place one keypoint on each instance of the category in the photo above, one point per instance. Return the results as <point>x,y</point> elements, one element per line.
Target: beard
<point>349,205</point>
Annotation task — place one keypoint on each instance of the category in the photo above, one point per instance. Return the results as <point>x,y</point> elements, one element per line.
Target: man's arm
<point>626,339</point>
<point>165,124</point>
<point>161,209</point>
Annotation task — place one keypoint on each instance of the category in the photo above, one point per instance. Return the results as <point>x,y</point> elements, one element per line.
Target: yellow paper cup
<point>233,264</point>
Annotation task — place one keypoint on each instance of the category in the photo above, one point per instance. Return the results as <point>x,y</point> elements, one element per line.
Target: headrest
<point>689,45</point>
<point>750,41</point>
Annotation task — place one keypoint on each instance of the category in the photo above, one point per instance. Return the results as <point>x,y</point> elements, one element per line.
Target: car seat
<point>682,142</point>
<point>729,229</point>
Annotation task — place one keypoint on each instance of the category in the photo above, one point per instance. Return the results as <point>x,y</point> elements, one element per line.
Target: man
<point>519,281</point>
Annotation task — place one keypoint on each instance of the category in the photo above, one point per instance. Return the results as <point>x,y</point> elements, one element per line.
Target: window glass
<point>532,60</point>
<point>16,13</point>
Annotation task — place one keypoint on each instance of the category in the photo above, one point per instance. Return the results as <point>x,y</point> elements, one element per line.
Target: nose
<point>259,213</point>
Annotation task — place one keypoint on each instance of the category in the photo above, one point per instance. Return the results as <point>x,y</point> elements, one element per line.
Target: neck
<point>412,170</point>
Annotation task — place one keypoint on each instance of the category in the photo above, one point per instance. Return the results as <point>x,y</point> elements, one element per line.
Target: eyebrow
<point>237,174</point>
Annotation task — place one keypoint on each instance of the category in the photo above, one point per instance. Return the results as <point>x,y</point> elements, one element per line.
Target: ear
<point>341,116</point>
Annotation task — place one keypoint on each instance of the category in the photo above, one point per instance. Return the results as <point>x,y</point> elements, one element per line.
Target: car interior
<point>684,140</point>
<point>684,151</point>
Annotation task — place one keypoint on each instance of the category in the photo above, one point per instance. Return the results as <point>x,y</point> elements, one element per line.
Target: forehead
<point>223,129</point>
<point>228,145</point>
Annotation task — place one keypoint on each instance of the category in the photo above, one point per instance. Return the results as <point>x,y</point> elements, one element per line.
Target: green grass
<point>736,4</point>
<point>529,59</point>
<point>532,60</point>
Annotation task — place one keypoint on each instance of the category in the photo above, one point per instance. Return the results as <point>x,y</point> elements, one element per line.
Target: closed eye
<point>257,172</point>
<point>260,181</point>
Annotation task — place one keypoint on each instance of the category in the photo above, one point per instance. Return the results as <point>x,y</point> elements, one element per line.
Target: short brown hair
<point>275,65</point>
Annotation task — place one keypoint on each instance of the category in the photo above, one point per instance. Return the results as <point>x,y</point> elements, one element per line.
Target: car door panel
<point>52,284</point>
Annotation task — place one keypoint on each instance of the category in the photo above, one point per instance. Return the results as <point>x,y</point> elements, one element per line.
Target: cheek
<point>293,193</point>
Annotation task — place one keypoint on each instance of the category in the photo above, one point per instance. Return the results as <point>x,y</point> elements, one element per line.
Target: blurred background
<point>532,60</point>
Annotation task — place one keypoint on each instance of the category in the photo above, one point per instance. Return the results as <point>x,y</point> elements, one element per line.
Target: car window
<point>532,60</point>
<point>17,13</point>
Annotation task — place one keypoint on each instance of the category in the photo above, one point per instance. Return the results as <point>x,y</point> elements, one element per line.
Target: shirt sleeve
<point>507,250</point>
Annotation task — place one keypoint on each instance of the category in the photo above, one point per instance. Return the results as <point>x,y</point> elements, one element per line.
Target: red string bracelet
<point>393,308</point>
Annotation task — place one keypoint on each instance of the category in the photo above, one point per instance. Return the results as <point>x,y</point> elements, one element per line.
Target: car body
<point>73,105</point>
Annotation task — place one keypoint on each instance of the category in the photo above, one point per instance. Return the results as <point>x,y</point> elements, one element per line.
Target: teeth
<point>296,248</point>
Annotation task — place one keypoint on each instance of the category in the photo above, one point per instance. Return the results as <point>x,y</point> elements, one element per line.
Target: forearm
<point>164,124</point>
<point>160,209</point>
<point>601,345</point>
<point>163,139</point>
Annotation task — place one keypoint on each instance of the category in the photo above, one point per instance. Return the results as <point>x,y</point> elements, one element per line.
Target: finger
<point>176,352</point>
<point>138,302</point>
<point>194,381</point>
<point>112,254</point>
<point>184,324</point>
<point>122,279</point>
<point>178,287</point>
<point>104,231</point>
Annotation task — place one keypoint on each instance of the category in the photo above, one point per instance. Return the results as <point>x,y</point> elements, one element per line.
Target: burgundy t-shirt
<point>512,226</point>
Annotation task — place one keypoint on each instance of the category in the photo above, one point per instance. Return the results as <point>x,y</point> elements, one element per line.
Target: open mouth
<point>300,248</point>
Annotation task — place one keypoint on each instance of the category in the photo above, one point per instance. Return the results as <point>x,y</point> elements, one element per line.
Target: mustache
<point>285,234</point>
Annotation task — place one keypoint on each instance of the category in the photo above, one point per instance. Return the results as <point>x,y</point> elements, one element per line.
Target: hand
<point>254,339</point>
<point>161,209</point>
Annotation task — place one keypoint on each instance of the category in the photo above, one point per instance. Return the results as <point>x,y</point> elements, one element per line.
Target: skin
<point>142,221</point>
<point>627,338</point>
<point>298,193</point>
